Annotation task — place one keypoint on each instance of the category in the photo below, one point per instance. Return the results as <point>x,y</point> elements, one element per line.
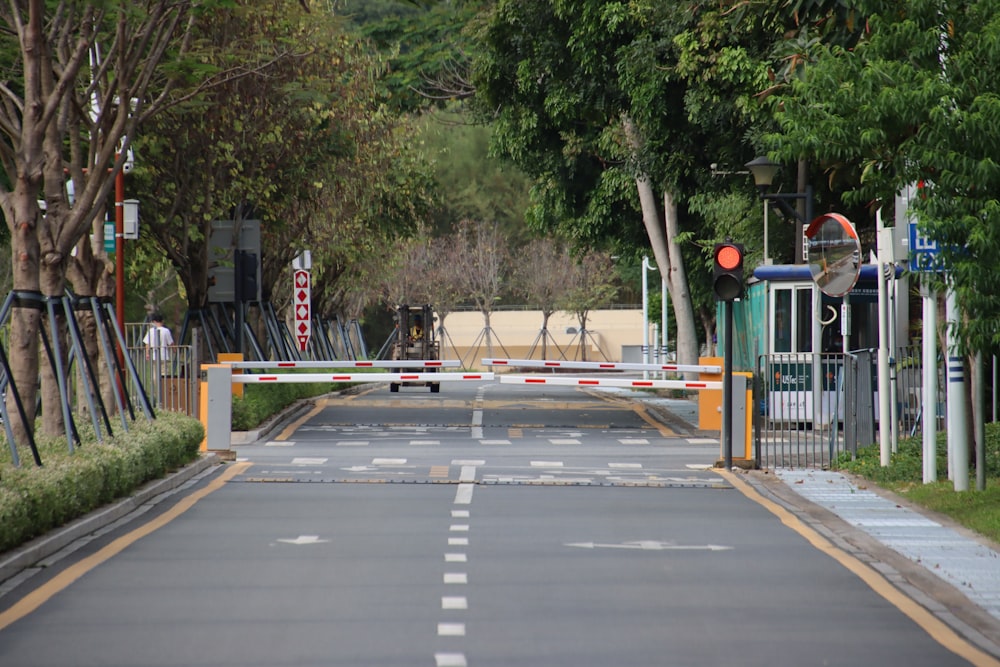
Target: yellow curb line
<point>60,582</point>
<point>932,625</point>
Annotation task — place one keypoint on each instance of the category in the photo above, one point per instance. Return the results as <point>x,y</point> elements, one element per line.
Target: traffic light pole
<point>727,386</point>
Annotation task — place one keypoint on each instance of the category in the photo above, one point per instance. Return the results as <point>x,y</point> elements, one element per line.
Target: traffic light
<point>727,271</point>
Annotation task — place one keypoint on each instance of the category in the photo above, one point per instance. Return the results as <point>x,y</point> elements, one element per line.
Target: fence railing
<point>170,383</point>
<point>811,408</point>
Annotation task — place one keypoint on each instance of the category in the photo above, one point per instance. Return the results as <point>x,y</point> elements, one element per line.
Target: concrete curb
<point>31,553</point>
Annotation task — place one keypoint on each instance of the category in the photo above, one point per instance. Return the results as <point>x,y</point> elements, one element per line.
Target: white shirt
<point>159,338</point>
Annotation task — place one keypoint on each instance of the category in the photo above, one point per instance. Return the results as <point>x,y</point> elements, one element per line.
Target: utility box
<point>710,407</point>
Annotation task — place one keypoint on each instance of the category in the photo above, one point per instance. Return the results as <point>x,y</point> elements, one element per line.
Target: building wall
<point>516,335</point>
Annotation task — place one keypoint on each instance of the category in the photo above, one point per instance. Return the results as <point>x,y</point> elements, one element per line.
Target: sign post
<point>301,302</point>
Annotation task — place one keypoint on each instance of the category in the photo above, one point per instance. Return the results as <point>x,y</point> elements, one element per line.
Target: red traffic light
<point>727,271</point>
<point>728,256</point>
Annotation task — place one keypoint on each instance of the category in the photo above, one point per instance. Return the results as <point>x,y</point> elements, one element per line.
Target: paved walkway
<point>955,555</point>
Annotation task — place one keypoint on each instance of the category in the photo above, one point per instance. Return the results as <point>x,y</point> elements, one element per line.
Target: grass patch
<point>976,510</point>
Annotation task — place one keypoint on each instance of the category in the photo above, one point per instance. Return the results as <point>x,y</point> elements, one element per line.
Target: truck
<point>414,338</point>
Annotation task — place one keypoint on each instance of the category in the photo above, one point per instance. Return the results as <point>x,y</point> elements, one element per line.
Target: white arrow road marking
<point>650,545</point>
<point>303,539</point>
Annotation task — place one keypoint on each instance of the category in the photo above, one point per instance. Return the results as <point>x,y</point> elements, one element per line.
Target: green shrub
<point>34,500</point>
<point>260,401</point>
<point>906,464</point>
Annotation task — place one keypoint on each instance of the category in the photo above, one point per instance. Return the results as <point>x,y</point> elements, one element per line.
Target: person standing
<point>158,341</point>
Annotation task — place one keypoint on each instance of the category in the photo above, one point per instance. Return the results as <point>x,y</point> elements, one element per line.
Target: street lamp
<point>763,171</point>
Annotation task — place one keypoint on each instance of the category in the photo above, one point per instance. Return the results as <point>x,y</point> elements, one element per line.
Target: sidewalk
<point>951,571</point>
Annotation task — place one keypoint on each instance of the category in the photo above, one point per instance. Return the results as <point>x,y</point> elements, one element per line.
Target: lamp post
<point>763,171</point>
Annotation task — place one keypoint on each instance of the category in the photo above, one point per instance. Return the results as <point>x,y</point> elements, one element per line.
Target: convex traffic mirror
<point>834,254</point>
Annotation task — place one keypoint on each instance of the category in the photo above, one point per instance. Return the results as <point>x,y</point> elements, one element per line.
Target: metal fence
<point>812,408</point>
<point>170,384</point>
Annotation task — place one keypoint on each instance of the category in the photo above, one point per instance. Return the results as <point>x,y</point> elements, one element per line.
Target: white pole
<point>767,256</point>
<point>885,421</point>
<point>930,398</point>
<point>664,319</point>
<point>958,425</point>
<point>645,316</point>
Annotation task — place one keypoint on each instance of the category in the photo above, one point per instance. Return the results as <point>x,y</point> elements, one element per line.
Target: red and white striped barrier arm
<point>601,365</point>
<point>273,378</point>
<point>381,363</point>
<point>607,382</point>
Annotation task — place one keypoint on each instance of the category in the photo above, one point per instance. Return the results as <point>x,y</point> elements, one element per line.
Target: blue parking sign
<point>923,252</point>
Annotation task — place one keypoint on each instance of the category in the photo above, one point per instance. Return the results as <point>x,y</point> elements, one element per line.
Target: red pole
<point>120,248</point>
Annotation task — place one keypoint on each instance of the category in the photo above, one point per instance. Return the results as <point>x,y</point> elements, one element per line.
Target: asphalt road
<point>486,525</point>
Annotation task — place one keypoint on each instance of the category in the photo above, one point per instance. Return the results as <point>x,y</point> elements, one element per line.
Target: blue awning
<point>788,272</point>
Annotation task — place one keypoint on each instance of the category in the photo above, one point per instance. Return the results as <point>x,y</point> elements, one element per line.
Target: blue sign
<point>924,252</point>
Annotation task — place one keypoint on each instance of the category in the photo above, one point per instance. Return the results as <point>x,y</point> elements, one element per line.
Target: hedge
<point>34,500</point>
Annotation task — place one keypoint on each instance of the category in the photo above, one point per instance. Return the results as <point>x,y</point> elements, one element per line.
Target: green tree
<point>915,101</point>
<point>299,141</point>
<point>78,77</point>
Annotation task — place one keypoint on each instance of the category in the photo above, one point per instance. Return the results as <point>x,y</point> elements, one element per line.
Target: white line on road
<point>388,462</point>
<point>463,496</point>
<point>451,629</point>
<point>468,474</point>
<point>450,660</point>
<point>454,602</point>
<point>456,578</point>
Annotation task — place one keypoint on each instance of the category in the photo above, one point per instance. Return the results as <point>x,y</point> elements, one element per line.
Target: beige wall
<point>516,331</point>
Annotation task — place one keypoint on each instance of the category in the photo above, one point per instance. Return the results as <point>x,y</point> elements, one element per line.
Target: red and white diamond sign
<point>301,303</point>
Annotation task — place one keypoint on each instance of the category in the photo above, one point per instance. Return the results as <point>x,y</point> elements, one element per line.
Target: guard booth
<point>793,335</point>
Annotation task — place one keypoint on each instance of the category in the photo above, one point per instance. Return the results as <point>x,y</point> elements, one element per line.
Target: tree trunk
<point>667,252</point>
<point>669,261</point>
<point>90,276</point>
<point>53,285</point>
<point>677,285</point>
<point>25,321</point>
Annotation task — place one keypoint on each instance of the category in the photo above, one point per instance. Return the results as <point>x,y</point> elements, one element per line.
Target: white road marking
<point>633,441</point>
<point>468,474</point>
<point>468,462</point>
<point>650,545</point>
<point>388,462</point>
<point>307,461</point>
<point>460,514</point>
<point>564,441</point>
<point>456,578</point>
<point>353,443</point>
<point>463,496</point>
<point>703,441</point>
<point>279,443</point>
<point>451,629</point>
<point>546,464</point>
<point>456,558</point>
<point>625,465</point>
<point>459,528</point>
<point>303,539</point>
<point>458,541</point>
<point>450,660</point>
<point>494,442</point>
<point>454,602</point>
<point>424,442</point>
